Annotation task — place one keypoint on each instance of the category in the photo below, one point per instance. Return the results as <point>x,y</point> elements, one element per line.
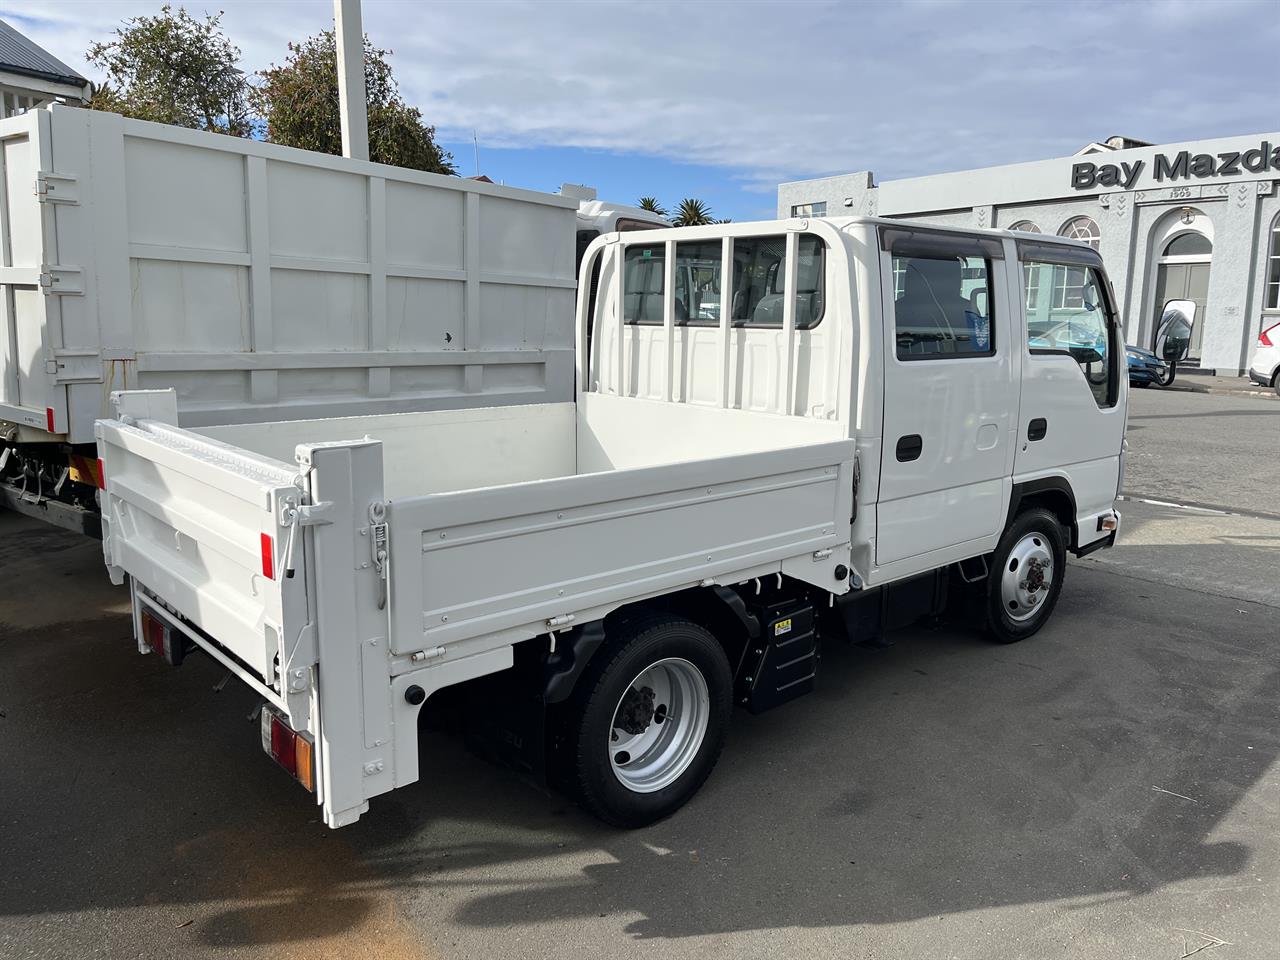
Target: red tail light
<point>1264,340</point>
<point>287,747</point>
<point>102,475</point>
<point>156,633</point>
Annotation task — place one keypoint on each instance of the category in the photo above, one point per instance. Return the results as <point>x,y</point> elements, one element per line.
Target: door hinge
<point>75,366</point>
<point>56,188</point>
<point>61,281</point>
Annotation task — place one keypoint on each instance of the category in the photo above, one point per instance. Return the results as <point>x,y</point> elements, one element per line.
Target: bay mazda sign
<point>1183,165</point>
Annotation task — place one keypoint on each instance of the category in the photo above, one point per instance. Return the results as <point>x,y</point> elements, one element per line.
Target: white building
<point>31,77</point>
<point>1198,221</point>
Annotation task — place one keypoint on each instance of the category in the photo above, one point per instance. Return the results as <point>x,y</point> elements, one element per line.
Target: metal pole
<point>351,94</point>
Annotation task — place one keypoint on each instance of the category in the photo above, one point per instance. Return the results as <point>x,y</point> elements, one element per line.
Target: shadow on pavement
<point>944,774</point>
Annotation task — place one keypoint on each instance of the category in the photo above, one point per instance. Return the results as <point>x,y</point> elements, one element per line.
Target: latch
<point>61,281</point>
<point>56,188</point>
<point>293,516</point>
<point>378,548</point>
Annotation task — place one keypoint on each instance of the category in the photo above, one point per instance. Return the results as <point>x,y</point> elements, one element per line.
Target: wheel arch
<point>1053,494</point>
<point>718,609</point>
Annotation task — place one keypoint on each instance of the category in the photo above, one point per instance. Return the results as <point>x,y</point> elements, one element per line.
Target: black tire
<point>1002,624</point>
<point>1275,383</point>
<point>588,720</point>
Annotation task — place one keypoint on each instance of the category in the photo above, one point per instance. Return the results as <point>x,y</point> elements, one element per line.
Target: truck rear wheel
<point>1025,576</point>
<point>648,720</point>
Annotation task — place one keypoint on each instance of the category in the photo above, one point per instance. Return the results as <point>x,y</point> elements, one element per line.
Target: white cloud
<point>777,91</point>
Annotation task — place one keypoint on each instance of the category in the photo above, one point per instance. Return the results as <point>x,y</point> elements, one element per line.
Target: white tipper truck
<point>782,431</point>
<point>261,283</point>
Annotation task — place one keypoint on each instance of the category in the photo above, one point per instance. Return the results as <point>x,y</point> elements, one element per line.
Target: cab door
<point>950,397</point>
<point>1072,410</point>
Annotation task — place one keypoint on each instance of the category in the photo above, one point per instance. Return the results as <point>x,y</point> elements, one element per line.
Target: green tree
<point>692,213</point>
<point>173,68</point>
<point>652,205</point>
<point>299,102</point>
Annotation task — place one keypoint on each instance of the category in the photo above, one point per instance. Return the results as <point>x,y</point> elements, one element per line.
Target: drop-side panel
<point>198,523</point>
<point>505,560</point>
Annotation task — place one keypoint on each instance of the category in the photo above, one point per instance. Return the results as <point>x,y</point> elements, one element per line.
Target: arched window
<point>1025,226</point>
<point>1272,299</point>
<point>1189,245</point>
<point>1082,228</point>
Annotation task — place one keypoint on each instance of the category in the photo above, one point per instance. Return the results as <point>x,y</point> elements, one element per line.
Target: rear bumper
<point>1261,379</point>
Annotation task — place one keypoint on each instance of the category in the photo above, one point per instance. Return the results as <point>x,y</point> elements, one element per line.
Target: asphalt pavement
<point>1109,788</point>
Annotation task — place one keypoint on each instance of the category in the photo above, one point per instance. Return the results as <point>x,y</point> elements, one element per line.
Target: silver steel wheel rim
<point>674,720</point>
<point>1027,577</point>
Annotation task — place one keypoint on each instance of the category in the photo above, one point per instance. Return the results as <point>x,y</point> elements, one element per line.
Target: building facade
<point>1197,221</point>
<point>32,77</point>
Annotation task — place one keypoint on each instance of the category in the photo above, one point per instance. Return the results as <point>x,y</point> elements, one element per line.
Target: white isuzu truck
<point>781,431</point>
<point>262,283</point>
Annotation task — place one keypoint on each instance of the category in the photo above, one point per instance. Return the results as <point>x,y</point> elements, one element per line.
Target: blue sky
<point>723,100</point>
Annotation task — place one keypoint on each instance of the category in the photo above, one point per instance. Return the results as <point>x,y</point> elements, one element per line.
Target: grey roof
<point>20,55</point>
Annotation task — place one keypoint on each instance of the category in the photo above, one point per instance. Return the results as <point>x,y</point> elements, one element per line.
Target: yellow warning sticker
<point>781,627</point>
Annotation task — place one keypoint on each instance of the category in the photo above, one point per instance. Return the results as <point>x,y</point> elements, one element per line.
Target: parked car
<point>1264,367</point>
<point>1145,368</point>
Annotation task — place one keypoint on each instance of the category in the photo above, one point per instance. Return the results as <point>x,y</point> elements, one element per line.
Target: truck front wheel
<point>648,720</point>
<point>1025,576</point>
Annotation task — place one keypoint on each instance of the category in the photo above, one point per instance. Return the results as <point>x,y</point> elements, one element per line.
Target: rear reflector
<point>268,557</point>
<point>102,475</point>
<point>48,417</point>
<point>290,749</point>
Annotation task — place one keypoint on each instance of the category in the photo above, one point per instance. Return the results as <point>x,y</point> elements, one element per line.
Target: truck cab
<point>979,372</point>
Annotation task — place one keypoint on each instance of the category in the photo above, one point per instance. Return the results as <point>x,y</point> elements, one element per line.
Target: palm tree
<point>693,213</point>
<point>652,205</point>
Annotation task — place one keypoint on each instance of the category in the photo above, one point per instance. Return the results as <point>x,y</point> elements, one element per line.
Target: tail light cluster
<point>292,750</point>
<point>1264,338</point>
<point>170,644</point>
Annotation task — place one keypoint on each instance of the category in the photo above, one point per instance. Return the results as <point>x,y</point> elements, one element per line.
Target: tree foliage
<point>652,205</point>
<point>299,103</point>
<point>175,69</point>
<point>693,213</point>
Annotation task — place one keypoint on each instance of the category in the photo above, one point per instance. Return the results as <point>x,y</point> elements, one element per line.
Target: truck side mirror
<point>1085,355</point>
<point>1173,335</point>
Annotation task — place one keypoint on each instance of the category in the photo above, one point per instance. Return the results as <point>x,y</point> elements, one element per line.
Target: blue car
<point>1145,368</point>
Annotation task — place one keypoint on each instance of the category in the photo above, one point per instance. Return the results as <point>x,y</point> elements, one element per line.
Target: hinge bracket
<point>61,281</point>
<point>56,188</point>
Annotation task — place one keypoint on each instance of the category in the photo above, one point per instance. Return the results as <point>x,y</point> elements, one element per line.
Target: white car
<point>1264,368</point>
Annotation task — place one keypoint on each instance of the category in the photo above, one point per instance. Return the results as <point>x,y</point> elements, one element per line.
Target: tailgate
<point>30,284</point>
<point>199,525</point>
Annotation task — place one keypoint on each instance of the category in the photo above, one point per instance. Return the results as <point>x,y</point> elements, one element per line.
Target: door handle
<point>909,447</point>
<point>1037,428</point>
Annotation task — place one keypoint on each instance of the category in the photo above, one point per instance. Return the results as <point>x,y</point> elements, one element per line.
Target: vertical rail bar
<point>669,317</point>
<point>619,252</point>
<point>726,319</point>
<point>789,322</point>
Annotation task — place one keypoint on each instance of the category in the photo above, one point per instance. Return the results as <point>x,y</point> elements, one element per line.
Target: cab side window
<point>942,306</point>
<point>1068,313</point>
<point>643,284</point>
